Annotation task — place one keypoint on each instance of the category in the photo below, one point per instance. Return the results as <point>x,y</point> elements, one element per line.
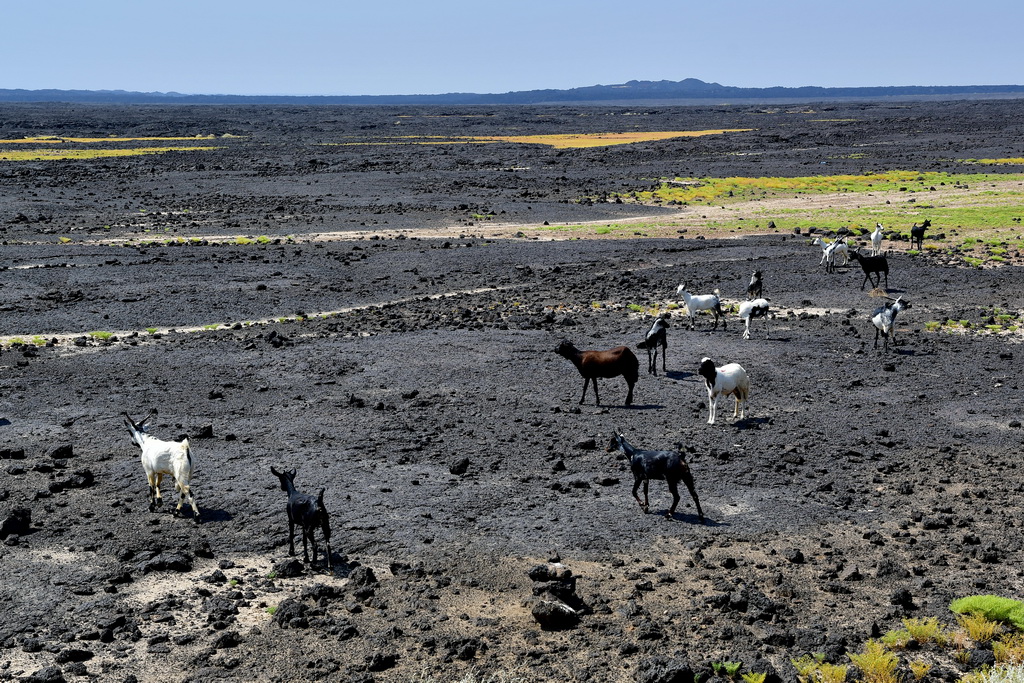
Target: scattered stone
<point>62,452</point>
<point>17,523</point>
<point>555,616</point>
<point>173,562</point>
<point>288,569</point>
<point>664,670</point>
<point>794,555</point>
<point>459,466</point>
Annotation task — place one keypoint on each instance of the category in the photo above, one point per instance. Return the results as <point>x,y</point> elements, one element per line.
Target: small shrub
<point>919,669</point>
<point>754,677</point>
<point>876,663</point>
<point>636,308</point>
<point>932,325</point>
<point>1010,649</point>
<point>101,335</point>
<point>242,241</point>
<point>897,640</point>
<point>978,626</point>
<point>272,610</point>
<point>263,239</point>
<point>151,330</point>
<point>926,630</point>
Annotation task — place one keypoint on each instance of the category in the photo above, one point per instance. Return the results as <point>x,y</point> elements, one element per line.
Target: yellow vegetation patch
<point>604,139</point>
<point>566,141</point>
<point>50,139</point>
<point>1012,160</point>
<point>52,154</point>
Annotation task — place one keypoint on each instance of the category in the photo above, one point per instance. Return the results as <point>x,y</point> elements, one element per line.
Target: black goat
<point>594,364</point>
<point>657,336</point>
<point>872,265</point>
<point>917,233</point>
<point>647,465</point>
<point>754,288</point>
<point>309,513</point>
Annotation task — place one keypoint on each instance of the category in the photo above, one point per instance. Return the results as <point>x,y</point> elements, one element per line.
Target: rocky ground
<point>861,488</point>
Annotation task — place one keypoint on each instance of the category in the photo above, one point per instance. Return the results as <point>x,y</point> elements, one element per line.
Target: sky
<point>404,47</point>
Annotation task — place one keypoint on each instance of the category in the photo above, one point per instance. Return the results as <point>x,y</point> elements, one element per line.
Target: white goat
<point>758,308</point>
<point>728,380</point>
<point>884,320</point>
<point>829,251</point>
<point>702,302</point>
<point>164,457</point>
<point>876,240</point>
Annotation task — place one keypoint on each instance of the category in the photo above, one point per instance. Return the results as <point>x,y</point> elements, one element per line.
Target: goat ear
<point>274,471</point>
<point>130,422</point>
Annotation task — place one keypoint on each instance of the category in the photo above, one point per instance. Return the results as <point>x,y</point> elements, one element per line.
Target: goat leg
<point>673,488</point>
<point>636,487</point>
<point>305,550</point>
<point>291,535</point>
<point>597,396</point>
<point>688,480</point>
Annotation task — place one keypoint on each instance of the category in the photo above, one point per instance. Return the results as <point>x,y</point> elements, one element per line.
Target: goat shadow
<point>208,516</point>
<point>678,374</point>
<point>750,423</point>
<point>690,518</point>
<point>4,422</point>
<point>643,406</point>
<point>342,567</point>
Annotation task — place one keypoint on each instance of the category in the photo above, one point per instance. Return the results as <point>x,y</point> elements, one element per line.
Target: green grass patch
<point>102,335</point>
<point>717,189</point>
<point>992,607</point>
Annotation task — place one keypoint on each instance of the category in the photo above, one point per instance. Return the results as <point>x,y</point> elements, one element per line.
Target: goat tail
<point>320,499</point>
<point>188,452</point>
<point>718,294</point>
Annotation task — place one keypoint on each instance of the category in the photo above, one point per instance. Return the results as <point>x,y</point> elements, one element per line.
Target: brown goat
<point>607,364</point>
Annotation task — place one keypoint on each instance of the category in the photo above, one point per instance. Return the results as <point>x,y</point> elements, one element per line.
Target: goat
<point>829,251</point>
<point>161,458</point>
<point>646,465</point>
<point>872,265</point>
<point>606,364</point>
<point>657,336</point>
<point>702,302</point>
<point>754,288</point>
<point>884,320</point>
<point>728,380</point>
<point>307,512</point>
<point>876,240</point>
<point>917,233</point>
<point>758,308</point>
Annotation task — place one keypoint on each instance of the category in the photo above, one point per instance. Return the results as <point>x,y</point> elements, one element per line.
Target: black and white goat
<point>656,337</point>
<point>872,265</point>
<point>758,308</point>
<point>755,286</point>
<point>160,458</point>
<point>702,302</point>
<point>308,513</point>
<point>728,380</point>
<point>917,233</point>
<point>884,320</point>
<point>876,240</point>
<point>646,465</point>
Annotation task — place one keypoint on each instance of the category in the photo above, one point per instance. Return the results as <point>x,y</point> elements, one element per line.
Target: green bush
<point>992,607</point>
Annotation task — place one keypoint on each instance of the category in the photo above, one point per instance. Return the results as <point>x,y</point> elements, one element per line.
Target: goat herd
<point>175,458</point>
<point>726,380</point>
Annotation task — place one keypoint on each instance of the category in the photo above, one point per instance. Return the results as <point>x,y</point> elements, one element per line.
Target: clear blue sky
<point>322,47</point>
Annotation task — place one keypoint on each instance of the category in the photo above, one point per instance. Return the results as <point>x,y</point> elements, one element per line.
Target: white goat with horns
<point>161,458</point>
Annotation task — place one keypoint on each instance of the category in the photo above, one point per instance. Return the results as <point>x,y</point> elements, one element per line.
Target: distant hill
<point>690,89</point>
